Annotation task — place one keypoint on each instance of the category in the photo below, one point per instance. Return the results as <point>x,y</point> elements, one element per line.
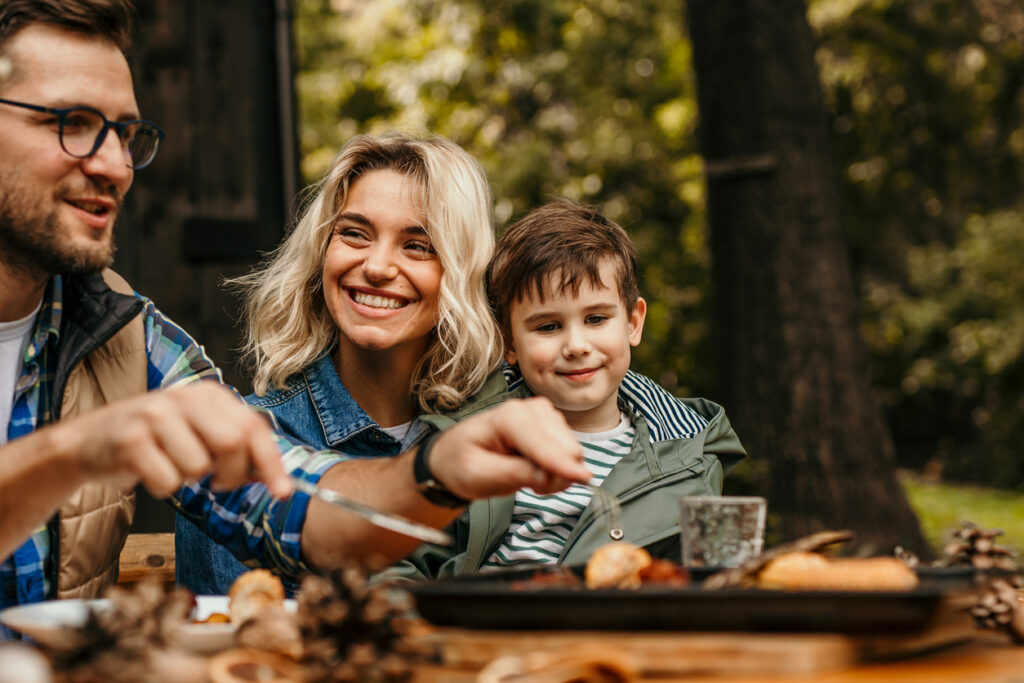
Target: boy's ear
<point>510,355</point>
<point>636,321</point>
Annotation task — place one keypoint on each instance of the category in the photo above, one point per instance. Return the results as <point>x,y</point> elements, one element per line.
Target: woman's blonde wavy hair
<point>288,325</point>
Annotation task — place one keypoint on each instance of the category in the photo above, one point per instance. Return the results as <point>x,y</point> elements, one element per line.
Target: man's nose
<point>110,162</point>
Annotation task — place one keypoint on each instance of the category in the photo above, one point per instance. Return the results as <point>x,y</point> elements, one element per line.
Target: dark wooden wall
<point>216,76</point>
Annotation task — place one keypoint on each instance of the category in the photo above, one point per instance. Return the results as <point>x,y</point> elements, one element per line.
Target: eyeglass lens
<point>81,130</point>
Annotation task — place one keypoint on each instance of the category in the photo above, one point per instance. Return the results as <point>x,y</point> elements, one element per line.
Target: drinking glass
<point>721,531</point>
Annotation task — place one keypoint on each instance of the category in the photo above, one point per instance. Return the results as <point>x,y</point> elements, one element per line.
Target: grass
<point>942,507</point>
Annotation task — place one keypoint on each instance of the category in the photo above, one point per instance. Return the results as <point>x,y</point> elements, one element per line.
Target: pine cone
<point>126,642</point>
<point>355,631</point>
<point>975,547</point>
<point>1001,607</point>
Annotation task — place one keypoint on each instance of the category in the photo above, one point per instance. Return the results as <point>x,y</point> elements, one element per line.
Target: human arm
<point>160,439</point>
<point>518,443</point>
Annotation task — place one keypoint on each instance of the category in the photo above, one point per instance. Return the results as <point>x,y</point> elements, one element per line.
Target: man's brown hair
<point>563,239</point>
<point>109,19</point>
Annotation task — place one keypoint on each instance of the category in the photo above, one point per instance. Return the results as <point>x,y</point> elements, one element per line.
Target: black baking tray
<point>501,600</point>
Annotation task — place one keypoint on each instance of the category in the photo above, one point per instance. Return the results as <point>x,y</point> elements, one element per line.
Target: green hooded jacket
<point>682,447</point>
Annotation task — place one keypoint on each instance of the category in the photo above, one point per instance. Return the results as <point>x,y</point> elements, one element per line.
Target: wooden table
<point>985,658</point>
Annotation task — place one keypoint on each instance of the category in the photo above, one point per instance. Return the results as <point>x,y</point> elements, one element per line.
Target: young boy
<point>563,285</point>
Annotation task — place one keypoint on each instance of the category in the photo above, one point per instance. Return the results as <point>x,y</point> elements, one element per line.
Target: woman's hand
<point>519,443</point>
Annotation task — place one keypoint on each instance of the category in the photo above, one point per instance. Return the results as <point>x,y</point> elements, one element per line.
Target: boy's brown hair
<point>564,239</point>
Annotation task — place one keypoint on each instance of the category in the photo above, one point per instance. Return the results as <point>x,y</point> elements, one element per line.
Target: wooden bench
<point>147,556</point>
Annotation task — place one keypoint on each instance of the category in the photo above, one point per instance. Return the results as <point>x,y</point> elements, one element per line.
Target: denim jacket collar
<point>340,416</point>
<point>317,409</point>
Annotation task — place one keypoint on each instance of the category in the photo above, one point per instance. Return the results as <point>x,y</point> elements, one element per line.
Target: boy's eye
<point>596,319</point>
<point>547,327</point>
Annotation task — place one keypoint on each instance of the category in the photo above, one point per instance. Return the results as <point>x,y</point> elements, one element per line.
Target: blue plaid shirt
<point>248,521</point>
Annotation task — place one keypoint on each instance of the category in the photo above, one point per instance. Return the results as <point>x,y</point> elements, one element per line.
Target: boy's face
<point>574,350</point>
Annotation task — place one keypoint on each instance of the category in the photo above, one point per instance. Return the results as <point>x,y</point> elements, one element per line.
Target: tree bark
<point>793,372</point>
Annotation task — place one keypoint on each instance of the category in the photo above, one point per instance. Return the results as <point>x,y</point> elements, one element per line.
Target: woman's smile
<point>376,301</point>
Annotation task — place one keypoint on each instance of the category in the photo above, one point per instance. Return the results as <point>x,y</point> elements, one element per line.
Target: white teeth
<point>376,301</point>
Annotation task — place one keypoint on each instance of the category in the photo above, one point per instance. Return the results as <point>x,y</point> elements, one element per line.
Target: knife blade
<point>385,520</point>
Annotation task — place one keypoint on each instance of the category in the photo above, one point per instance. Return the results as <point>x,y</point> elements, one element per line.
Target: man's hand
<point>168,437</point>
<point>163,439</point>
<point>517,444</point>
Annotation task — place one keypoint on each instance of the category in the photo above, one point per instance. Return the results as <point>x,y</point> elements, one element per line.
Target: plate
<point>211,638</point>
<point>50,622</point>
<point>502,601</point>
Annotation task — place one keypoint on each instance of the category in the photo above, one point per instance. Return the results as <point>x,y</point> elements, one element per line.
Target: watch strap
<point>429,487</point>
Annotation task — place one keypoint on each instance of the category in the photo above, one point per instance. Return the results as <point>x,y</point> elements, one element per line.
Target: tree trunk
<point>793,373</point>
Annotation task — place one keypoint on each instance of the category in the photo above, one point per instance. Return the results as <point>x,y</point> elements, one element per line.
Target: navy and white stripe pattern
<point>666,416</point>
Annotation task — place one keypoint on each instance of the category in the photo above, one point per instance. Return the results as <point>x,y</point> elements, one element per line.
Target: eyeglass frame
<point>118,126</point>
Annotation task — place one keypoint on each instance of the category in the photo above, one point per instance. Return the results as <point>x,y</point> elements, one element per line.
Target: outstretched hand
<point>161,439</point>
<point>520,443</point>
<point>168,437</point>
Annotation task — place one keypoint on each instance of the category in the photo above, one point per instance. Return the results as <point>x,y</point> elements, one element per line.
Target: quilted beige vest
<point>93,523</point>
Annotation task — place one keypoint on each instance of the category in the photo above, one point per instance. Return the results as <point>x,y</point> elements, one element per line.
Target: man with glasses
<point>99,390</point>
<point>81,131</point>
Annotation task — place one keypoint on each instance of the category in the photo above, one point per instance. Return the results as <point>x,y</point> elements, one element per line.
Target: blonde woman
<point>371,312</point>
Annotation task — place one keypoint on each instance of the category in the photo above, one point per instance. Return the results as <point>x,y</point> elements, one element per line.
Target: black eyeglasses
<point>82,130</point>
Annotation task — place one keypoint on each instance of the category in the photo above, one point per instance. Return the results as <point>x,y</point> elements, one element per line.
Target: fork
<point>605,504</point>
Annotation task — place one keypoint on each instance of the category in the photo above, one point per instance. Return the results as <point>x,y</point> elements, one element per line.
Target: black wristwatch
<point>431,488</point>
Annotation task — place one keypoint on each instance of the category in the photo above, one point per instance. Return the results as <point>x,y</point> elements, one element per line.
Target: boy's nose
<point>576,345</point>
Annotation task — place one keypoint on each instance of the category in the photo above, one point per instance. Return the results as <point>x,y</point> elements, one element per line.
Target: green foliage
<point>594,99</point>
<point>952,338</point>
<point>928,109</point>
<point>591,99</point>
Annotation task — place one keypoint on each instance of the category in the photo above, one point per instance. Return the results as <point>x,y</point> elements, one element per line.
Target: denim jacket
<point>317,409</point>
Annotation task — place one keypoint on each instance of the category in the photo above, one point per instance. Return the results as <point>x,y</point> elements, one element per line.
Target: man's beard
<point>34,242</point>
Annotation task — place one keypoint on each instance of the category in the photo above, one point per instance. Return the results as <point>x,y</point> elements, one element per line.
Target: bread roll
<point>252,592</point>
<point>616,565</point>
<point>811,571</point>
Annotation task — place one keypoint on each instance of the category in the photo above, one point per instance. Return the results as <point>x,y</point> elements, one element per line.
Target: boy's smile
<point>574,349</point>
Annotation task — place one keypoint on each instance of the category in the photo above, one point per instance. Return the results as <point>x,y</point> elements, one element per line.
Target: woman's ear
<point>636,321</point>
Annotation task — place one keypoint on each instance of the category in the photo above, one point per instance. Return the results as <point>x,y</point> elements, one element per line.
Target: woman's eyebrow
<point>355,218</point>
<point>363,220</point>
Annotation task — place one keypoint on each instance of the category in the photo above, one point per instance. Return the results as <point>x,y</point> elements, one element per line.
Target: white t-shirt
<point>399,432</point>
<point>14,339</point>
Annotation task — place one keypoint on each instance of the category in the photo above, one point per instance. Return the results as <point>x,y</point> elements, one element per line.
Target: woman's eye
<point>420,247</point>
<point>350,234</point>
